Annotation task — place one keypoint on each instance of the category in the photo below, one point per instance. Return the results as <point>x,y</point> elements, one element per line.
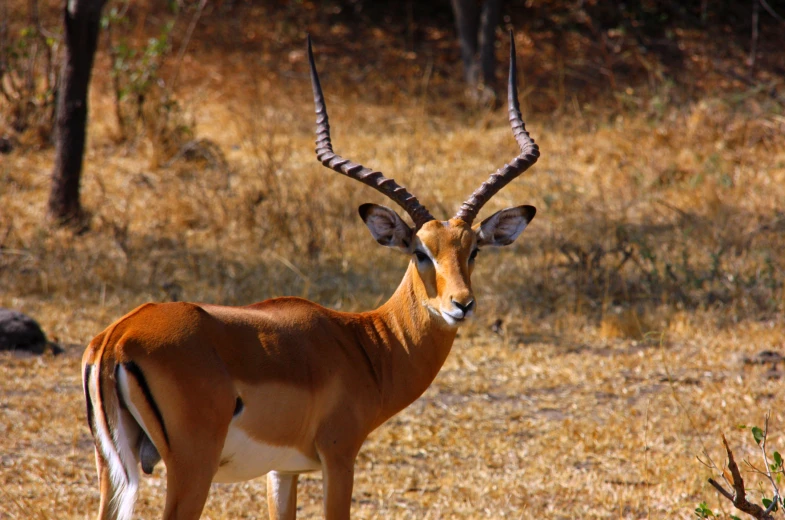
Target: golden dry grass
<point>525,425</point>
<point>653,269</point>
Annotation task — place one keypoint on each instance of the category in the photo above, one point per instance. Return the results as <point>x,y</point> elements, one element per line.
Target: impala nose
<point>465,308</point>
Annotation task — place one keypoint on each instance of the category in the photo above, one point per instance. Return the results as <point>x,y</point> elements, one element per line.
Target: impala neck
<point>416,344</point>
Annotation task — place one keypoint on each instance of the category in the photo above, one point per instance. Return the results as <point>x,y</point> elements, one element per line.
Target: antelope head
<point>442,252</point>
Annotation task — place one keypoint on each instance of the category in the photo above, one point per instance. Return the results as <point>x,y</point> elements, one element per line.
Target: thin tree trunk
<point>489,21</point>
<point>82,24</point>
<point>476,26</point>
<point>466,21</point>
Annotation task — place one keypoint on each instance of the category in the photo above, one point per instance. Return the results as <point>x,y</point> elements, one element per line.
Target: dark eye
<point>421,257</point>
<point>473,255</point>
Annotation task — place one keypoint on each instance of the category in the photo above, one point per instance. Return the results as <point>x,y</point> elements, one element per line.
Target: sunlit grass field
<point>612,342</point>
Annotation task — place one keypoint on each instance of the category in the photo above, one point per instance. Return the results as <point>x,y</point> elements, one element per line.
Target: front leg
<point>282,495</point>
<point>338,480</point>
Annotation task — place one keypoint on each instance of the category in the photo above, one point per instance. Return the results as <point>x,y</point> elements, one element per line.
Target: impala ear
<point>503,227</point>
<point>387,227</point>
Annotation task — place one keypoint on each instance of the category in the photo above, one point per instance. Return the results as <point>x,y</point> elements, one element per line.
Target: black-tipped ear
<point>387,227</point>
<point>503,227</point>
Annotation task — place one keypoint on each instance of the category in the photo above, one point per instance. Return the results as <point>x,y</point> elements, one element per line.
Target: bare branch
<point>187,39</point>
<point>754,468</point>
<point>771,11</point>
<point>710,464</point>
<point>777,497</point>
<point>739,495</point>
<point>718,487</point>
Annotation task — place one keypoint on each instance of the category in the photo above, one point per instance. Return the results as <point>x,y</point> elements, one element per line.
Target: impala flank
<point>283,387</point>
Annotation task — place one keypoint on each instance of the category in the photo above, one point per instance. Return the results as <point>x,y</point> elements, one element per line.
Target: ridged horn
<point>503,176</point>
<point>324,152</point>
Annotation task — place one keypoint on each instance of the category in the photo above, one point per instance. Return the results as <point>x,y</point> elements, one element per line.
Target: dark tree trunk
<point>466,21</point>
<point>476,26</point>
<point>82,19</point>
<point>489,21</point>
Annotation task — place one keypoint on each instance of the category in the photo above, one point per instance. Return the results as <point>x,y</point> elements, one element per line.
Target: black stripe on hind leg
<point>134,370</point>
<point>88,401</point>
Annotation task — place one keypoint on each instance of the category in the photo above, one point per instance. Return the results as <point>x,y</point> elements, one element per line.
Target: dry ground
<point>653,270</point>
<point>526,425</point>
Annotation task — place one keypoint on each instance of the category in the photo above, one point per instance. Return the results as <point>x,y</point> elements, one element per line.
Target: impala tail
<point>115,393</point>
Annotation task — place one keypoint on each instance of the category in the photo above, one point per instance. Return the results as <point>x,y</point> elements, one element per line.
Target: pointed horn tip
<point>324,153</point>
<point>309,52</point>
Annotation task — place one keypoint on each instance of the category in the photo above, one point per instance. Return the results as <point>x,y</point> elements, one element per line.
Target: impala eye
<point>473,255</point>
<point>422,257</point>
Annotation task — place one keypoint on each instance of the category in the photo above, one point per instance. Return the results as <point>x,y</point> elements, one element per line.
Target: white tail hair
<point>114,440</point>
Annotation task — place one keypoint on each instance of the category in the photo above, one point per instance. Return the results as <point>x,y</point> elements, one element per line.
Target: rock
<point>6,145</point>
<point>21,332</point>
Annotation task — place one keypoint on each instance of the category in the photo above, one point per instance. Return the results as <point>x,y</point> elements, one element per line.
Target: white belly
<point>244,458</point>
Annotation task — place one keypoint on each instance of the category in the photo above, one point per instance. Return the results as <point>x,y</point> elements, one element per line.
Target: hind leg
<point>105,509</point>
<point>190,467</point>
<point>186,492</point>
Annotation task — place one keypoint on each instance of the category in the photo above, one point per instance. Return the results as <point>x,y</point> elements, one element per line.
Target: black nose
<point>465,308</point>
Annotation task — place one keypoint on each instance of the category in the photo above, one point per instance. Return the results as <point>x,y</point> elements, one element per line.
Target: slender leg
<point>105,509</point>
<point>186,491</point>
<point>338,480</point>
<point>196,416</point>
<point>190,470</point>
<point>282,495</point>
<point>190,467</point>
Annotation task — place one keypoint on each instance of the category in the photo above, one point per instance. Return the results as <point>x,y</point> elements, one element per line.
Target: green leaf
<point>757,433</point>
<point>703,511</point>
<point>777,458</point>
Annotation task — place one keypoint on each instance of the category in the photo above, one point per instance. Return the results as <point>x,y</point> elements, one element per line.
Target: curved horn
<point>374,179</point>
<point>529,152</point>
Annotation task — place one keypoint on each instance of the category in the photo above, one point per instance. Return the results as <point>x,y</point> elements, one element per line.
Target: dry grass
<point>525,425</point>
<point>654,266</point>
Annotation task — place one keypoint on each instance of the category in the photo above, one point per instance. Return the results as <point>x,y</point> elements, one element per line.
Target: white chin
<point>451,321</point>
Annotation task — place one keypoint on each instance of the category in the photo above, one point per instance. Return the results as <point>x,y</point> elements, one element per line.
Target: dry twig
<point>189,32</point>
<point>739,496</point>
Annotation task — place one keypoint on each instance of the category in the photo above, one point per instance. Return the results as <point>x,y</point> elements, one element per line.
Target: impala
<point>285,386</point>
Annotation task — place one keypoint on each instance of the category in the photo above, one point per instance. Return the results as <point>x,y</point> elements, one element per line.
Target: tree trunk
<point>477,30</point>
<point>489,21</point>
<point>82,20</point>
<point>466,21</point>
